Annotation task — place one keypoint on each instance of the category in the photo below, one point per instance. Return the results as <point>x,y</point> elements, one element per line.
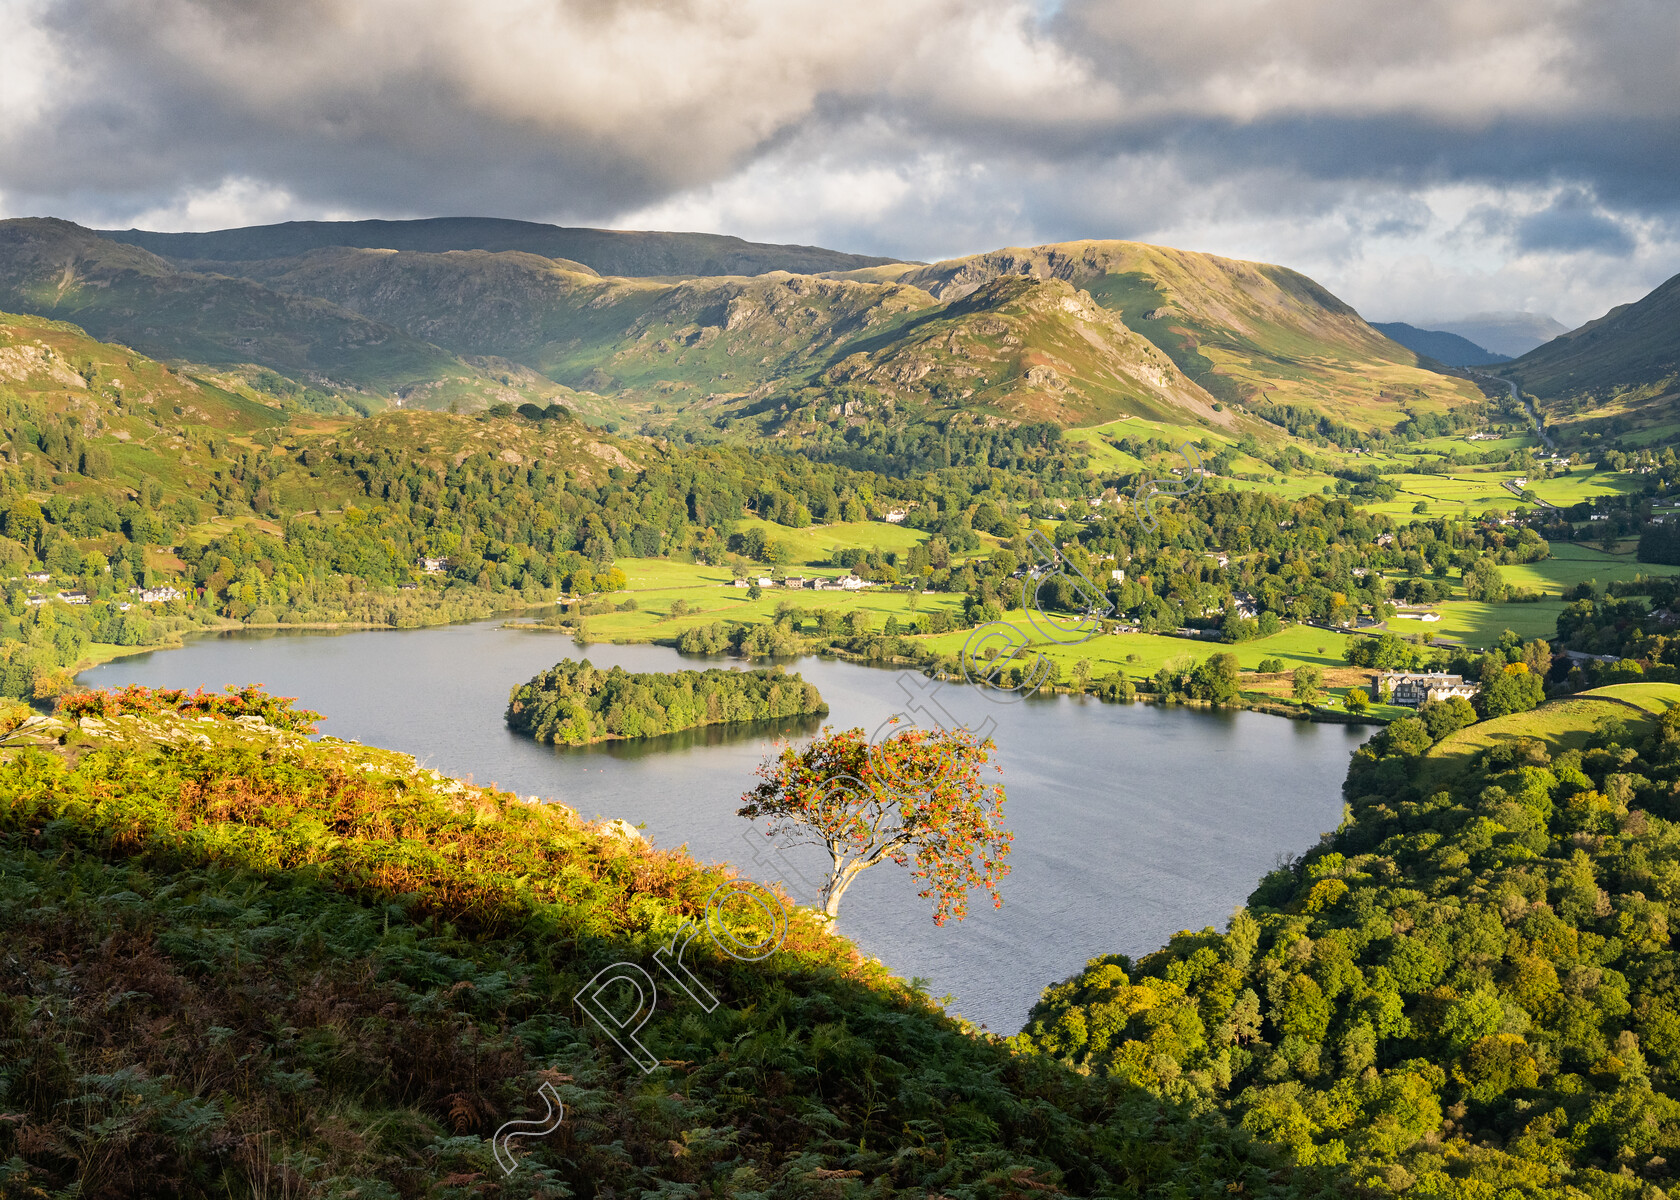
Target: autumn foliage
<point>917,793</point>
<point>247,701</point>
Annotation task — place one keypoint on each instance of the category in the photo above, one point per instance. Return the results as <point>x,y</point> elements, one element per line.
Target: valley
<point>396,479</point>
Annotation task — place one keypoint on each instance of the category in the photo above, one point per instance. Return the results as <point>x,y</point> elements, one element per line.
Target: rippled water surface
<point>1130,821</point>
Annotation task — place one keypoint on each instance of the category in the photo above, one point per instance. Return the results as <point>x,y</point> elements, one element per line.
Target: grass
<point>1652,697</point>
<point>656,583</point>
<point>1579,485</point>
<point>1143,654</point>
<point>1474,488</point>
<point>1561,724</point>
<point>815,544</point>
<point>1572,563</point>
<point>1477,624</point>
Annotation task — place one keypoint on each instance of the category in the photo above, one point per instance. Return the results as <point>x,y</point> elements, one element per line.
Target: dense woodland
<point>1469,988</point>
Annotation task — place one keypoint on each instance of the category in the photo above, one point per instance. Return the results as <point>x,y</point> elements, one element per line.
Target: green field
<point>1475,624</point>
<point>1572,563</point>
<point>1561,724</point>
<point>1472,488</point>
<point>1652,697</point>
<point>1581,484</point>
<point>654,583</point>
<point>1143,654</point>
<point>813,545</point>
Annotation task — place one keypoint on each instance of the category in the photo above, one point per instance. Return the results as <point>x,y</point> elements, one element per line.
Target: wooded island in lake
<point>575,703</point>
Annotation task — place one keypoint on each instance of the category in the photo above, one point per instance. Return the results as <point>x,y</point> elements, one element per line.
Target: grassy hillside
<point>244,964</point>
<point>1164,335</point>
<point>176,425</point>
<point>1624,365</point>
<point>1246,332</point>
<point>144,421</point>
<point>651,339</point>
<point>1016,348</point>
<point>124,294</point>
<point>607,251</point>
<point>1030,350</point>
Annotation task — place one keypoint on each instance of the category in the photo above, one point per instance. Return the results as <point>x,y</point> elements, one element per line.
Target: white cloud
<point>234,202</point>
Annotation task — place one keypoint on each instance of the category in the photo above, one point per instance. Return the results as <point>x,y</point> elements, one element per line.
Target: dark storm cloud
<point>435,107</point>
<point>910,121</point>
<point>1572,222</point>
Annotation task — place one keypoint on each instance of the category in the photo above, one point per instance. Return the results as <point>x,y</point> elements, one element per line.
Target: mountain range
<point>642,328</point>
<point>691,333</point>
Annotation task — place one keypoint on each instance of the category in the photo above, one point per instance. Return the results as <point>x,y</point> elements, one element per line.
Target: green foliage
<point>1468,990</point>
<point>1482,582</point>
<point>1514,689</point>
<point>574,703</point>
<point>1305,684</point>
<point>1217,678</point>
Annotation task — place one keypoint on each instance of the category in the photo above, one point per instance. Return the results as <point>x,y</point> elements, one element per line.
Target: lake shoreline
<point>1268,707</point>
<point>1132,821</point>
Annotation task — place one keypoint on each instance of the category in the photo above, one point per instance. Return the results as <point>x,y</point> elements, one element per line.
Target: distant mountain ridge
<point>1448,349</point>
<point>629,254</point>
<point>1512,333</point>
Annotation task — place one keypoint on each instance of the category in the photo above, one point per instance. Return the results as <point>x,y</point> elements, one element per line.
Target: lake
<point>1131,821</point>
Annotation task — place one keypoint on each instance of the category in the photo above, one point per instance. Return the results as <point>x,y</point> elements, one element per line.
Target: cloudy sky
<point>1422,158</point>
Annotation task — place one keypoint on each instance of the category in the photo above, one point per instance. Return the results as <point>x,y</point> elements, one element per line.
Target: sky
<point>1422,159</point>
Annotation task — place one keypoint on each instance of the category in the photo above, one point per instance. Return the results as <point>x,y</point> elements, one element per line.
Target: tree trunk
<point>837,885</point>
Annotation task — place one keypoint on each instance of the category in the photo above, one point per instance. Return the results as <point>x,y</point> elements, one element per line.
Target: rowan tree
<point>916,794</point>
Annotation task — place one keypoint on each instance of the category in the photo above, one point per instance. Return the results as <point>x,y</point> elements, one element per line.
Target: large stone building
<point>1412,688</point>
